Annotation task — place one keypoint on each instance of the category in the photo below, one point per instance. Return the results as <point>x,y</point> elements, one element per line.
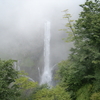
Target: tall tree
<point>8,90</point>
<point>83,64</point>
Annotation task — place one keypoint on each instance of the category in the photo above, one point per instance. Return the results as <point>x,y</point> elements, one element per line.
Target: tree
<point>83,64</point>
<point>45,93</point>
<point>8,90</point>
<point>25,85</point>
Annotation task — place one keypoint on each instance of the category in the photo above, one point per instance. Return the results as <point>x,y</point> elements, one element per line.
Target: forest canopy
<point>80,73</point>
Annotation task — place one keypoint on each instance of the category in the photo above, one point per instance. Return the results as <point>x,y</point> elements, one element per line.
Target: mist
<point>22,31</point>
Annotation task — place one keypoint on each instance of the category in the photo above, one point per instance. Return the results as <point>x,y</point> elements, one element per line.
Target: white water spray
<point>47,75</point>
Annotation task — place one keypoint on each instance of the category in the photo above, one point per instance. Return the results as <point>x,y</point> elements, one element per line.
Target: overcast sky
<point>21,15</point>
<point>26,18</point>
<point>22,29</point>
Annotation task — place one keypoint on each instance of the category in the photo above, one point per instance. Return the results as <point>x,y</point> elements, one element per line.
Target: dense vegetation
<point>8,90</point>
<point>15,85</point>
<point>79,75</point>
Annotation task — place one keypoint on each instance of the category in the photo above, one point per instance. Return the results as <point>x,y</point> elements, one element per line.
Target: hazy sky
<point>22,15</point>
<point>23,20</point>
<point>22,29</point>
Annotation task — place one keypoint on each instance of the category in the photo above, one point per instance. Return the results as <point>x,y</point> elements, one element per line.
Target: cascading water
<point>47,75</point>
<point>17,67</point>
<point>39,72</point>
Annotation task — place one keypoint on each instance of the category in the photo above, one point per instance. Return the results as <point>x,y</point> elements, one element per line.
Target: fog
<point>22,31</point>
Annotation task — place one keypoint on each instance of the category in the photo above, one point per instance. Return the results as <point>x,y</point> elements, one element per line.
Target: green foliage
<point>36,89</point>
<point>25,85</point>
<point>70,27</point>
<point>59,93</point>
<point>84,92</point>
<point>95,96</point>
<point>82,66</point>
<point>54,93</point>
<point>8,90</point>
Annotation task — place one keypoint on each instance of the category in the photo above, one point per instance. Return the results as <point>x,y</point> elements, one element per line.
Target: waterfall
<point>16,66</point>
<point>47,75</point>
<point>39,72</point>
